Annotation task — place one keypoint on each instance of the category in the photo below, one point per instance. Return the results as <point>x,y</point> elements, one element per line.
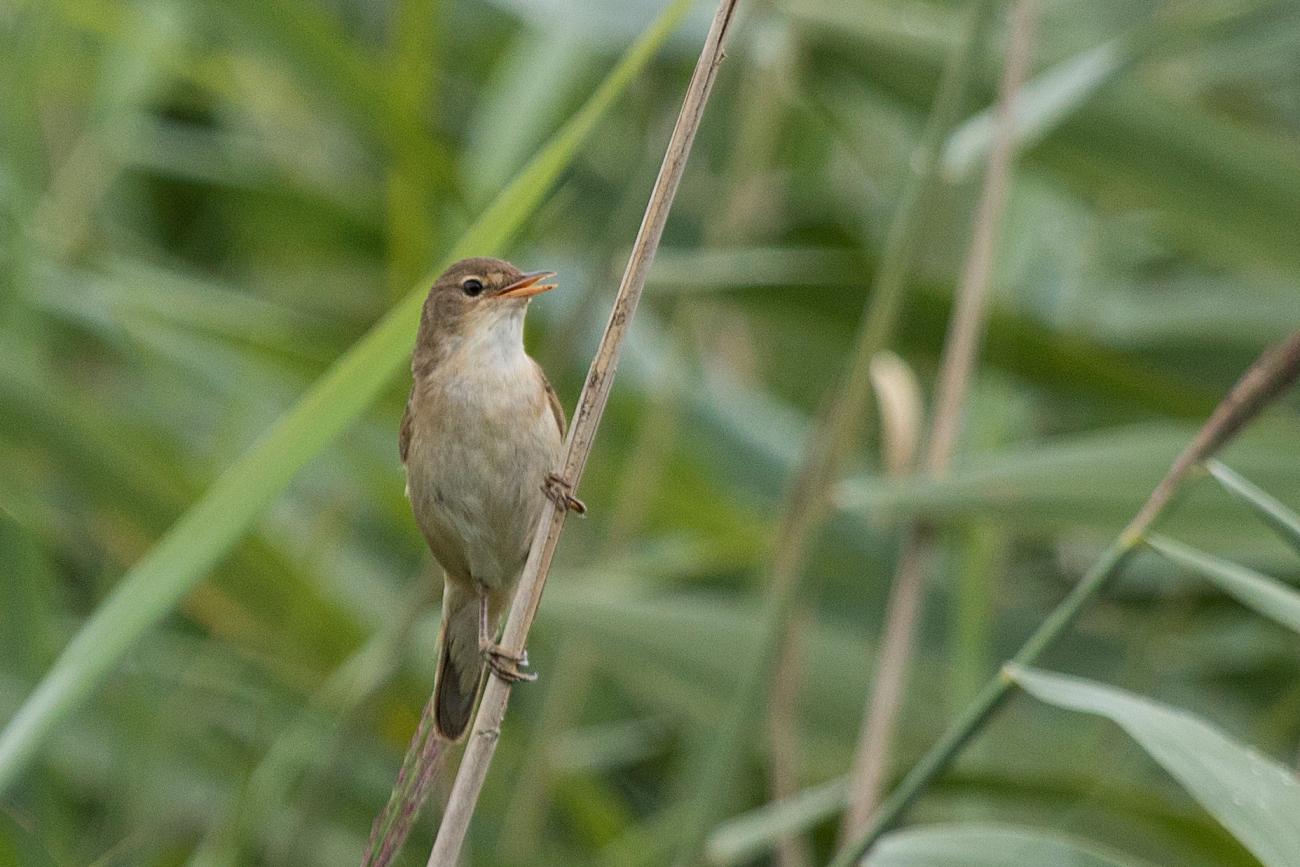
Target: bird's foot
<point>507,665</point>
<point>560,492</point>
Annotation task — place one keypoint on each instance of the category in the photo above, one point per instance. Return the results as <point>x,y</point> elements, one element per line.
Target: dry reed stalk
<point>885,699</point>
<point>749,203</point>
<point>591,404</point>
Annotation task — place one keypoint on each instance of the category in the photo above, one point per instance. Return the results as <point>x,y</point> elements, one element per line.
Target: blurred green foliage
<point>203,204</point>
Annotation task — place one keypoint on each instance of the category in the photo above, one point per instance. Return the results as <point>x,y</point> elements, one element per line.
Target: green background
<point>204,204</point>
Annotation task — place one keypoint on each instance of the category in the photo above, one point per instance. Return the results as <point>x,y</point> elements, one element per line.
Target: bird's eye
<point>472,286</point>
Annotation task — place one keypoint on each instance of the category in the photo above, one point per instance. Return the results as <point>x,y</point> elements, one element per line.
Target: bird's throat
<point>486,361</point>
<point>491,339</point>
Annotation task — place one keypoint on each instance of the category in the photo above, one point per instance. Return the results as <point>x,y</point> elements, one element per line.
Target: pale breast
<point>483,440</point>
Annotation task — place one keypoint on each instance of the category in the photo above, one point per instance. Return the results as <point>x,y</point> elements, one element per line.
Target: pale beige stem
<point>591,404</point>
<point>748,204</point>
<point>792,850</point>
<point>885,698</point>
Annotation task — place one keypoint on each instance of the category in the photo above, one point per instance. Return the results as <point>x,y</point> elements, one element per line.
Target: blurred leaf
<point>27,617</point>
<point>526,94</point>
<point>1040,105</point>
<point>766,278</point>
<point>1086,480</point>
<point>412,189</point>
<point>112,459</point>
<point>1187,310</point>
<point>1274,513</point>
<point>220,518</point>
<point>1265,595</point>
<point>986,845</point>
<point>318,730</point>
<point>317,46</point>
<point>1255,798</point>
<point>1226,193</point>
<point>745,837</point>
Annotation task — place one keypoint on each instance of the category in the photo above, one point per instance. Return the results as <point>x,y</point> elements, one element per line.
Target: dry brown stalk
<point>885,698</point>
<point>792,850</point>
<point>591,404</point>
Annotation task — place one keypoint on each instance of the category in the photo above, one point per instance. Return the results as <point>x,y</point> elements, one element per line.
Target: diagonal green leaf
<point>989,845</point>
<point>746,837</point>
<point>1265,595</point>
<point>1255,798</point>
<point>1040,105</point>
<point>216,522</point>
<point>1090,479</point>
<point>1276,515</point>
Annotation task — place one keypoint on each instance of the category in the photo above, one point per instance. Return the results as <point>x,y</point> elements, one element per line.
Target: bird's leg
<point>561,493</point>
<point>504,664</point>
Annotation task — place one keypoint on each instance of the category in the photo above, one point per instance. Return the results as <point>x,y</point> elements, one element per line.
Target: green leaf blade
<point>989,845</point>
<point>1255,798</point>
<point>1040,106</point>
<point>746,837</point>
<point>1266,596</point>
<point>1281,519</point>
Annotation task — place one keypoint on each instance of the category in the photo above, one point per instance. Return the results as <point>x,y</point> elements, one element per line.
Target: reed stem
<point>591,404</point>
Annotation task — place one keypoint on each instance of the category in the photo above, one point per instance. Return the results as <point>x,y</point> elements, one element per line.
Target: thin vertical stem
<point>591,404</point>
<point>967,326</point>
<point>885,699</point>
<point>746,208</point>
<point>792,850</point>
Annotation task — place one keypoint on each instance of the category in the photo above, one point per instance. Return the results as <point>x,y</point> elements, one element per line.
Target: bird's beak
<point>528,285</point>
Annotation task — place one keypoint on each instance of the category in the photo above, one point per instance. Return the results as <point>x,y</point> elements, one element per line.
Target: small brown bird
<point>480,440</point>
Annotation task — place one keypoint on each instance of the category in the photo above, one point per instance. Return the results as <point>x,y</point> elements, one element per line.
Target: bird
<point>481,441</point>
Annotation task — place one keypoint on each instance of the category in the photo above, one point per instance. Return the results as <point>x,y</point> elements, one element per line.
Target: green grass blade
<point>1276,515</point>
<point>989,845</point>
<point>217,521</point>
<point>1263,594</point>
<point>745,838</point>
<point>1255,798</point>
<point>1040,106</point>
<point>1088,480</point>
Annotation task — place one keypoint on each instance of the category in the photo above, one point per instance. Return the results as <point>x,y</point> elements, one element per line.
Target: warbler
<point>481,439</point>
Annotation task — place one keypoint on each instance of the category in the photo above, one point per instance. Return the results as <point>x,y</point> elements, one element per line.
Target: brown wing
<point>554,399</point>
<point>404,432</point>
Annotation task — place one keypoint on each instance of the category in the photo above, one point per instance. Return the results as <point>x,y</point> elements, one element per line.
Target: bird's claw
<point>506,665</point>
<point>560,492</point>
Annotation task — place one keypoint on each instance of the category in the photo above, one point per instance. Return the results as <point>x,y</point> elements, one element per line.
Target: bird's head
<point>477,297</point>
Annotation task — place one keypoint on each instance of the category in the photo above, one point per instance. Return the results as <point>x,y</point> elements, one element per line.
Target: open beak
<point>529,285</point>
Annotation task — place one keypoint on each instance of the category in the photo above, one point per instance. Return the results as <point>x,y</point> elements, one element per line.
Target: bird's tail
<point>460,661</point>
